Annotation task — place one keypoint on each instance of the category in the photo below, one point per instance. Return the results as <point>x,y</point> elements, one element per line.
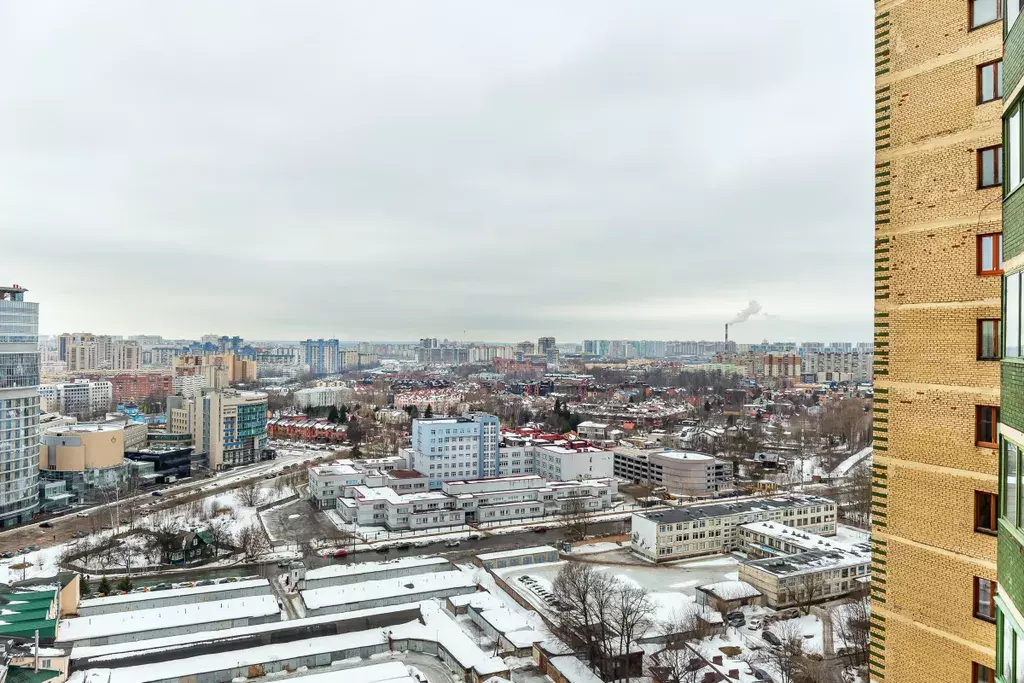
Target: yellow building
<point>219,371</point>
<point>85,456</point>
<point>938,175</point>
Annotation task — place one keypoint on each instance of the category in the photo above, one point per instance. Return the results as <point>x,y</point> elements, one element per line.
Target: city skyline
<point>580,173</point>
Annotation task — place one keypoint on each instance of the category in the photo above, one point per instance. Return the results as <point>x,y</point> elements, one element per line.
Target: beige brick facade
<point>928,299</point>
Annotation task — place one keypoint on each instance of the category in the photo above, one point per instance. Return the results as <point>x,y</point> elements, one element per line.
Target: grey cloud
<point>390,170</point>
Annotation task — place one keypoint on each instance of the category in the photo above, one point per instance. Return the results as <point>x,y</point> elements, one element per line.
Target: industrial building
<point>343,574</point>
<point>192,595</point>
<point>385,592</point>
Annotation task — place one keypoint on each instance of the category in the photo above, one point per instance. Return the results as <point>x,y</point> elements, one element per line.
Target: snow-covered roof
<point>730,590</point>
<point>517,552</point>
<point>574,670</point>
<point>334,570</point>
<point>143,596</point>
<point>118,650</point>
<point>138,621</point>
<point>504,620</point>
<point>407,586</point>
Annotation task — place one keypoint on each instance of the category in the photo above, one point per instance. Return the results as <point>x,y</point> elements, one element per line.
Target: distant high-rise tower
<point>937,235</point>
<point>19,406</point>
<point>322,356</point>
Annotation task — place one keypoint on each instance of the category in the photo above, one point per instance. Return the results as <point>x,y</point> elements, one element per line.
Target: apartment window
<point>986,424</point>
<point>990,254</point>
<point>1011,484</point>
<point>986,510</point>
<point>1013,8</point>
<point>982,674</point>
<point>1012,138</point>
<point>984,12</point>
<point>1011,316</point>
<point>984,599</point>
<point>990,80</point>
<point>990,166</point>
<point>988,339</point>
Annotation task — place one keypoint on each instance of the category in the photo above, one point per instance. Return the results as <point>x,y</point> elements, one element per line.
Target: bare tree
<point>249,494</point>
<point>851,623</point>
<point>574,517</point>
<point>579,589</point>
<point>633,613</point>
<point>785,658</point>
<point>687,624</point>
<point>123,555</point>
<point>219,529</point>
<point>684,663</point>
<point>808,589</point>
<point>253,541</point>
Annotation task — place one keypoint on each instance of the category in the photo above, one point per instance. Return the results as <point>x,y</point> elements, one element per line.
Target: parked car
<point>46,525</point>
<point>81,534</point>
<point>81,514</point>
<point>7,554</point>
<point>473,537</point>
<point>770,637</point>
<point>540,529</point>
<point>158,493</point>
<point>383,548</point>
<point>451,544</point>
<point>341,552</point>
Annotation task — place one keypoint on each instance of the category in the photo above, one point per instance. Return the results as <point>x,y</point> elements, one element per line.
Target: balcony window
<point>983,12</point>
<point>1011,483</point>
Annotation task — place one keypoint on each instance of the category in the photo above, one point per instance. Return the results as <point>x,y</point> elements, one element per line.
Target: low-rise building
<point>680,472</point>
<point>808,577</point>
<point>327,483</point>
<point>88,458</point>
<point>714,527</point>
<point>593,431</point>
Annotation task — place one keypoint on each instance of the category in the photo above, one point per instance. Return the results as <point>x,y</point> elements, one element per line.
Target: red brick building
<point>137,386</point>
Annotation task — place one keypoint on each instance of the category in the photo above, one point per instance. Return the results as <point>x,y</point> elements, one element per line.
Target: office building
<point>446,448</point>
<point>323,356</point>
<point>89,458</point>
<point>937,265</point>
<point>19,406</point>
<point>1009,587</point>
<point>229,426</point>
<point>681,473</point>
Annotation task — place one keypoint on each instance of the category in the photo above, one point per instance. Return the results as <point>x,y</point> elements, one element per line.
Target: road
<point>65,526</point>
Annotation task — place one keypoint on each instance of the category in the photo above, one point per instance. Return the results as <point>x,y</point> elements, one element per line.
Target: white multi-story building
<point>82,398</point>
<point>126,356</point>
<point>187,385</point>
<point>322,397</point>
<point>446,448</point>
<point>339,479</point>
<point>572,461</point>
<point>714,528</point>
<point>856,365</point>
<point>460,502</point>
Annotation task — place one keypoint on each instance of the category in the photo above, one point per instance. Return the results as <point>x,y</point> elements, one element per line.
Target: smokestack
<point>727,334</point>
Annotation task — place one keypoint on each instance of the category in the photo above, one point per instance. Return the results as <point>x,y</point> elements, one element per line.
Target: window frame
<point>977,669</point>
<point>997,86</point>
<point>997,343</point>
<point>997,255</point>
<point>992,586</point>
<point>997,158</point>
<point>970,15</point>
<point>989,500</point>
<point>994,416</point>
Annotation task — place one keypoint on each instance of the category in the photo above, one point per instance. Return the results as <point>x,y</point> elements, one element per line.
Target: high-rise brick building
<point>938,180</point>
<point>1009,593</point>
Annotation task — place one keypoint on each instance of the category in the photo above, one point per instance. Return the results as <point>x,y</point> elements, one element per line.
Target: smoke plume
<point>752,309</point>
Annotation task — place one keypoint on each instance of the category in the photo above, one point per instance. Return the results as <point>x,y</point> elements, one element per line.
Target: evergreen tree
<point>125,584</point>
<point>104,587</point>
<point>333,415</point>
<point>429,412</point>
<point>83,586</point>
<point>343,413</point>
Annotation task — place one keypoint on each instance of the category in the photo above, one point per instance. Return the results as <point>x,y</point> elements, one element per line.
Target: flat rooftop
<point>145,596</point>
<point>812,561</point>
<point>407,586</point>
<point>159,618</point>
<point>333,570</point>
<point>518,552</point>
<point>692,512</point>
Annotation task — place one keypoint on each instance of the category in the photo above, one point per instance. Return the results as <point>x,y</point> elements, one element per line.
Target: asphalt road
<point>65,526</point>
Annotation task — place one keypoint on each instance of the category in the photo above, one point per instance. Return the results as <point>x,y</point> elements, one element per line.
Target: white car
<point>81,514</point>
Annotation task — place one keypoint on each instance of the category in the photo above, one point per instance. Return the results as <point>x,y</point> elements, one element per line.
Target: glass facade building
<point>19,407</point>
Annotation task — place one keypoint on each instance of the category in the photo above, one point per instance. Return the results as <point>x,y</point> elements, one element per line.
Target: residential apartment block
<point>938,250</point>
<point>446,448</point>
<point>715,527</point>
<point>1008,607</point>
<point>851,365</point>
<point>682,473</point>
<point>323,356</point>
<point>81,398</point>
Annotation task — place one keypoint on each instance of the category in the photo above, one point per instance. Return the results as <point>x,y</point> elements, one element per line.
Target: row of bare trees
<point>601,616</point>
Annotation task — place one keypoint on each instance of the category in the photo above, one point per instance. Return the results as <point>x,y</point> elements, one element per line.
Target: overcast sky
<point>460,169</point>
